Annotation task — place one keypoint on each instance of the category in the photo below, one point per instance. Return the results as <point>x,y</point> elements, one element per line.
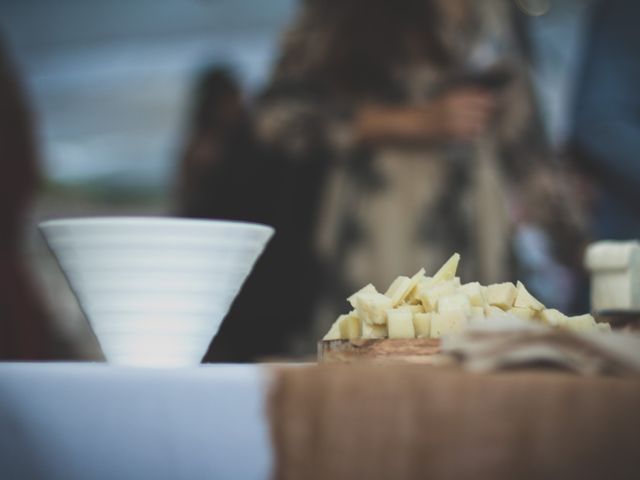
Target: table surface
<point>93,421</point>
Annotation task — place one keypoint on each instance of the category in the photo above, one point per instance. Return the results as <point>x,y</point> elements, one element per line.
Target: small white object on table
<point>615,275</point>
<point>94,421</point>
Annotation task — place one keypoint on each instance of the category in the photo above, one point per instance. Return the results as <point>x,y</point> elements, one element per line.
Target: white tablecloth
<point>88,421</point>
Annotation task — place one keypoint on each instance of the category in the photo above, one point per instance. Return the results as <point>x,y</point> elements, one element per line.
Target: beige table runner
<point>419,422</point>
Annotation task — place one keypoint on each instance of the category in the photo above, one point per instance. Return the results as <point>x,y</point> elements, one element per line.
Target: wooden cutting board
<point>383,350</point>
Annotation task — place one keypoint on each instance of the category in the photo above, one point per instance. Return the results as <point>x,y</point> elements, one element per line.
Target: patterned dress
<point>389,209</point>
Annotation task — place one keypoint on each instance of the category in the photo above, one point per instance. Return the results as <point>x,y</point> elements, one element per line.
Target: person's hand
<point>464,114</point>
<point>460,114</point>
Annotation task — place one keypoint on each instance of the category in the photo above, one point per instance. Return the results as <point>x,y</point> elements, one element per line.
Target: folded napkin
<point>424,422</point>
<point>499,344</point>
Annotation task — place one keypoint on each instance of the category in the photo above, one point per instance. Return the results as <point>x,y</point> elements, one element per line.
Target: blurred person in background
<point>225,173</point>
<point>606,133</point>
<point>25,333</point>
<point>416,125</point>
<point>218,163</point>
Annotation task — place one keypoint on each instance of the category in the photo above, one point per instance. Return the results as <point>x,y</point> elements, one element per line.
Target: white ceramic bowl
<point>155,290</point>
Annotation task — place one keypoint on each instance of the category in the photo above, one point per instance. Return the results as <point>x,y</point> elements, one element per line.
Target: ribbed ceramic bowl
<point>155,290</point>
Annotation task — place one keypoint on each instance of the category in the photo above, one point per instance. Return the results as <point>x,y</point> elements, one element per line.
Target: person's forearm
<point>375,124</point>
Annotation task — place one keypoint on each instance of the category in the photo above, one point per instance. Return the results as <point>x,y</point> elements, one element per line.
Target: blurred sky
<point>110,79</point>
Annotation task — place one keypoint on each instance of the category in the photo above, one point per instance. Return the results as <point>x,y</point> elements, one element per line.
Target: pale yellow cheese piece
<point>366,289</point>
<point>454,302</point>
<point>400,324</point>
<point>430,294</point>
<point>522,312</point>
<point>477,313</point>
<point>603,327</point>
<point>372,307</point>
<point>402,287</point>
<point>334,331</point>
<point>526,300</point>
<point>397,289</point>
<point>415,280</point>
<point>413,297</point>
<point>448,270</point>
<point>447,323</point>
<point>493,311</point>
<point>501,294</point>
<point>422,324</point>
<point>473,290</point>
<point>350,326</point>
<point>413,308</point>
<point>373,331</point>
<point>581,323</point>
<point>553,317</point>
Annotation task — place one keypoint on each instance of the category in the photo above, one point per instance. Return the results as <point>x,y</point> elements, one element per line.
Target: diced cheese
<point>430,294</point>
<point>447,323</point>
<point>526,300</point>
<point>454,302</point>
<point>501,294</point>
<point>400,324</point>
<point>413,308</point>
<point>522,312</point>
<point>373,331</point>
<point>581,323</point>
<point>402,287</point>
<point>397,289</point>
<point>477,313</point>
<point>491,311</point>
<point>473,290</point>
<point>334,331</point>
<point>553,317</point>
<point>448,270</point>
<point>366,289</point>
<point>413,296</point>
<point>421,306</point>
<point>422,324</point>
<point>372,307</point>
<point>349,326</point>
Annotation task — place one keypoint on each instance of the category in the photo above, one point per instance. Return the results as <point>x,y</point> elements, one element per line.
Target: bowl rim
<point>149,220</point>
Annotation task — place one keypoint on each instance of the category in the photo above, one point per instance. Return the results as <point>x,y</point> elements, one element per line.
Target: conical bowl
<point>155,290</point>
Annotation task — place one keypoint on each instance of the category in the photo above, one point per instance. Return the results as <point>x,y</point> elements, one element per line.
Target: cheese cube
<point>334,331</point>
<point>473,290</point>
<point>603,327</point>
<point>447,323</point>
<point>501,294</point>
<point>477,314</point>
<point>397,289</point>
<point>491,311</point>
<point>553,317</point>
<point>454,302</point>
<point>366,289</point>
<point>414,295</point>
<point>448,270</point>
<point>522,312</point>
<point>403,287</point>
<point>526,300</point>
<point>373,331</point>
<point>372,307</point>
<point>581,323</point>
<point>400,324</point>
<point>413,308</point>
<point>349,326</point>
<point>430,294</point>
<point>422,324</point>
